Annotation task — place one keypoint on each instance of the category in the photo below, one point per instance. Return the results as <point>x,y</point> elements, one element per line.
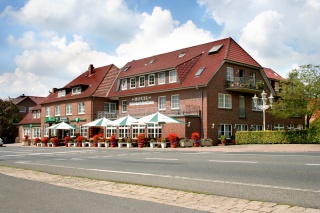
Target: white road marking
<point>232,161</point>
<point>160,159</point>
<point>122,155</point>
<point>317,156</point>
<point>195,153</point>
<point>310,164</point>
<point>50,153</point>
<point>180,177</point>
<point>61,159</point>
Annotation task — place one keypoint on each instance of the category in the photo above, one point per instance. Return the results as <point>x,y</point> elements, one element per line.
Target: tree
<point>299,94</point>
<point>9,115</point>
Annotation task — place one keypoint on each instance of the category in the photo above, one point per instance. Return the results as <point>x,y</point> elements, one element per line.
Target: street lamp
<point>264,105</point>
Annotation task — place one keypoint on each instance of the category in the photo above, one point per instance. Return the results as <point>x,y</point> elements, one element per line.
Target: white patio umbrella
<point>62,125</point>
<point>158,118</point>
<point>124,121</point>
<point>99,122</point>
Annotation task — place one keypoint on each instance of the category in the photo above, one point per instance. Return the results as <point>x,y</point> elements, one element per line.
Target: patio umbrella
<point>124,121</point>
<point>158,118</point>
<point>99,122</point>
<point>62,125</point>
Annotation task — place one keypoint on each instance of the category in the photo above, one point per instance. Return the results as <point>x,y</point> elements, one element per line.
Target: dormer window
<point>172,76</point>
<point>124,84</point>
<point>181,54</point>
<point>76,90</point>
<point>126,68</point>
<point>61,93</point>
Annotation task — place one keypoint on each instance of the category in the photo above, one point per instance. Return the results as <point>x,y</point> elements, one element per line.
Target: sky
<point>45,44</point>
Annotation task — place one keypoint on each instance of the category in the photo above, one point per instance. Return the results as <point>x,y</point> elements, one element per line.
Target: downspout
<point>201,118</point>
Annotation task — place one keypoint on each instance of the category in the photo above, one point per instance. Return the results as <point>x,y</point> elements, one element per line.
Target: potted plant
<point>233,139</point>
<point>129,142</point>
<point>173,140</point>
<point>223,139</point>
<point>140,140</point>
<point>163,142</point>
<point>95,139</point>
<point>152,143</point>
<point>195,136</point>
<point>113,142</point>
<point>107,141</point>
<point>186,142</point>
<point>37,140</point>
<point>80,139</point>
<point>260,85</point>
<point>27,141</point>
<point>54,140</point>
<point>206,142</point>
<point>66,140</point>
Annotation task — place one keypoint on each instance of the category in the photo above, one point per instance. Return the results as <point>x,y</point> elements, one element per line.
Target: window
<point>84,131</point>
<point>278,127</point>
<point>111,130</point>
<point>162,103</point>
<point>181,54</point>
<point>76,90</point>
<point>26,132</point>
<point>257,128</point>
<point>22,109</point>
<point>224,101</point>
<point>138,129</point>
<point>38,113</point>
<point>124,106</point>
<point>151,80</point>
<point>110,108</point>
<point>81,108</point>
<point>61,93</point>
<point>162,78</point>
<point>241,127</point>
<point>242,110</point>
<point>72,133</point>
<point>34,113</point>
<point>126,68</point>
<point>57,110</point>
<point>141,81</point>
<point>47,111</point>
<point>253,78</point>
<point>151,62</point>
<point>200,71</point>
<point>175,102</point>
<point>229,74</point>
<point>36,132</point>
<point>154,131</point>
<point>46,131</point>
<point>68,109</point>
<point>172,76</point>
<point>132,83</point>
<point>225,129</point>
<point>124,132</point>
<point>30,109</point>
<point>276,86</point>
<point>124,84</point>
<point>259,103</point>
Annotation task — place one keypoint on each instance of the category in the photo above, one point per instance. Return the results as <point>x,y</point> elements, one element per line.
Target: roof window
<point>181,54</point>
<point>215,49</point>
<point>126,68</point>
<point>200,71</point>
<point>151,62</point>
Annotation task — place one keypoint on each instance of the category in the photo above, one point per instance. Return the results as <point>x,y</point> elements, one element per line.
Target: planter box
<point>153,144</point>
<point>163,144</point>
<point>186,143</point>
<point>129,145</point>
<point>120,144</point>
<point>206,143</point>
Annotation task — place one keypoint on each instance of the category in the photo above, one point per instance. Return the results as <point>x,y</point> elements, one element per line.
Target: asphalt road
<point>287,178</point>
<point>20,195</point>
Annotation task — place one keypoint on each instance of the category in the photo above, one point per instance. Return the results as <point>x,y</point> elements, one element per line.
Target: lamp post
<point>264,105</point>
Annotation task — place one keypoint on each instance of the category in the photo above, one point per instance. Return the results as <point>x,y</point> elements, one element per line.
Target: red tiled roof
<point>35,99</point>
<point>90,84</point>
<point>187,66</point>
<point>28,119</point>
<point>272,74</point>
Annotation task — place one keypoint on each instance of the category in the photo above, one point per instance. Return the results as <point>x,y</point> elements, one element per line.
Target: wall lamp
<point>188,124</point>
<point>212,125</point>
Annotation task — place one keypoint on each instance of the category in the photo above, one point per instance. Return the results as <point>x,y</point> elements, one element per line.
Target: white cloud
<point>278,34</point>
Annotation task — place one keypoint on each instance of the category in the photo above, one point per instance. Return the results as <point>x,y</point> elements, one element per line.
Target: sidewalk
<point>228,148</point>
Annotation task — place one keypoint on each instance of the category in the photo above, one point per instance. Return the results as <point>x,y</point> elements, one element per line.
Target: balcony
<point>183,110</point>
<point>241,84</point>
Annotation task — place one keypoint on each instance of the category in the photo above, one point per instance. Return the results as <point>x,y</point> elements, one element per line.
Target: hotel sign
<point>141,100</point>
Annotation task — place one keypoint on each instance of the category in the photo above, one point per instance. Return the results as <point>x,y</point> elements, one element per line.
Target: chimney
<point>90,69</point>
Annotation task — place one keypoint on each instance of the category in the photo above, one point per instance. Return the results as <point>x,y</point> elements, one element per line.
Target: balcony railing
<point>183,110</point>
<point>242,84</point>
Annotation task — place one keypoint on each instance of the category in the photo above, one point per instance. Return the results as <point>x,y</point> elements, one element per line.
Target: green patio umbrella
<point>158,118</point>
<point>99,122</point>
<point>124,121</point>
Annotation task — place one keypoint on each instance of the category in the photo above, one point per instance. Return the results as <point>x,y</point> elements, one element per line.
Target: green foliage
<point>9,114</point>
<point>309,136</point>
<point>299,93</point>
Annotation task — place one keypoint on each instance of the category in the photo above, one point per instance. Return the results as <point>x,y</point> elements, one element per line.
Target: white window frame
<point>124,84</point>
<point>110,107</point>
<point>47,111</point>
<point>36,132</point>
<point>22,108</point>
<point>84,131</point>
<point>46,131</point>
<point>225,129</point>
<point>253,78</point>
<point>154,130</point>
<point>111,130</point>
<point>151,80</point>
<point>34,113</point>
<point>278,127</point>
<point>26,131</point>
<point>61,93</point>
<point>57,110</point>
<point>162,103</point>
<point>224,101</point>
<point>81,108</point>
<point>76,90</point>
<point>172,76</point>
<point>38,113</point>
<point>161,78</point>
<point>132,83</point>
<point>124,132</point>
<point>241,127</point>
<point>142,81</point>
<point>138,129</point>
<point>175,101</point>
<point>259,103</point>
<point>229,74</point>
<point>68,109</point>
<point>124,106</point>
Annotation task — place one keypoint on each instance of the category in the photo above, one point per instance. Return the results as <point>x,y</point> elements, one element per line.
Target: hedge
<point>310,136</point>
